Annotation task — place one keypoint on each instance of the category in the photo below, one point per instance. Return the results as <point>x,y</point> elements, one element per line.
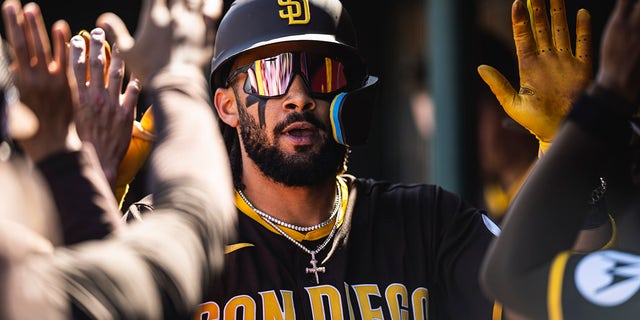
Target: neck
<point>302,206</point>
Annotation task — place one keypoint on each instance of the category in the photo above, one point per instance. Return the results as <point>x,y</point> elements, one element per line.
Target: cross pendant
<point>314,267</point>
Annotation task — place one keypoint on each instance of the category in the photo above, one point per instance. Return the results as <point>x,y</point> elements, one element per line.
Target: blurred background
<point>435,121</point>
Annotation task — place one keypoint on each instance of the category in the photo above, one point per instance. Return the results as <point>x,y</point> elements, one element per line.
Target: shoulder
<point>370,185</point>
<point>420,192</point>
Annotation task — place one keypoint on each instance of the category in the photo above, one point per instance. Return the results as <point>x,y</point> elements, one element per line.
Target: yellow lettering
<point>240,303</point>
<point>318,295</point>
<point>349,303</point>
<point>397,299</point>
<point>326,303</point>
<point>273,309</point>
<point>363,292</point>
<point>420,303</point>
<point>207,311</point>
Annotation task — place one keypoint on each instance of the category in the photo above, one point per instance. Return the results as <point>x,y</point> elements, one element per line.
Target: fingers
<point>212,9</point>
<point>621,8</point>
<point>540,25</point>
<point>15,27</point>
<point>90,58</point>
<point>561,37</point>
<point>116,29</point>
<point>97,59</point>
<point>635,12</point>
<point>37,35</point>
<point>499,85</point>
<point>130,98</point>
<point>61,33</point>
<point>584,40</point>
<point>522,35</point>
<point>78,59</point>
<point>116,75</point>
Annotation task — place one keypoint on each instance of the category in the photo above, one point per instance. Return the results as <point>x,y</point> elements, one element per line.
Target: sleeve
<point>599,285</point>
<point>86,206</point>
<point>152,270</point>
<point>550,209</point>
<point>160,267</point>
<point>464,234</point>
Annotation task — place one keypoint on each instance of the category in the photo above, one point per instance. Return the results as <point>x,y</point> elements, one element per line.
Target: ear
<point>225,103</point>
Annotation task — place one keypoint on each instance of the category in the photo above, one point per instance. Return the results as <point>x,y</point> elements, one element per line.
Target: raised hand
<point>41,77</point>
<point>620,52</point>
<point>104,116</point>
<point>551,75</point>
<point>172,34</point>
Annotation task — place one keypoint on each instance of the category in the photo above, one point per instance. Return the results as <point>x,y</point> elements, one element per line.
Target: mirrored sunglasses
<point>271,77</point>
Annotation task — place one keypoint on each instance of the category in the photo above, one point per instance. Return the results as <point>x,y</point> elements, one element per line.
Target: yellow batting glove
<point>551,76</point>
<point>142,138</point>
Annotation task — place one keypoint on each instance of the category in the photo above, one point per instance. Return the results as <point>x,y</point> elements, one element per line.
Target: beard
<point>303,168</point>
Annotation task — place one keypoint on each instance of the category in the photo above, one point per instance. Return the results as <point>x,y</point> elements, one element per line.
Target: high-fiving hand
<point>551,75</point>
<point>41,77</point>
<point>104,116</point>
<point>172,34</point>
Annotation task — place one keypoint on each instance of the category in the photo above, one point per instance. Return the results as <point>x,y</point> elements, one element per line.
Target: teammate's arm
<point>547,215</point>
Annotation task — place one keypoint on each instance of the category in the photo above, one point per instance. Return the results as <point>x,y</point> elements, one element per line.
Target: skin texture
<point>104,116</point>
<point>41,77</point>
<point>291,170</point>
<point>551,75</point>
<point>169,256</point>
<point>299,142</point>
<point>516,268</point>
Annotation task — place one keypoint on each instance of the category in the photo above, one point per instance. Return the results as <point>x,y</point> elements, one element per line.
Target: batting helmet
<point>262,28</point>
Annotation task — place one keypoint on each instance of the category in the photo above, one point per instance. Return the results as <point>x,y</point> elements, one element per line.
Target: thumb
<point>499,85</point>
<point>117,31</point>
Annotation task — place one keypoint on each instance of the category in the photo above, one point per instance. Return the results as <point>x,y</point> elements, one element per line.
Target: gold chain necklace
<point>266,216</point>
<point>314,263</point>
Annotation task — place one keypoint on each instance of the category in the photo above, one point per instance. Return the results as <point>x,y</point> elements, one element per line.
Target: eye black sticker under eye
<point>262,107</point>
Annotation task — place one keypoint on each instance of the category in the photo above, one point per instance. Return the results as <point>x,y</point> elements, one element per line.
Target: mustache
<point>297,117</point>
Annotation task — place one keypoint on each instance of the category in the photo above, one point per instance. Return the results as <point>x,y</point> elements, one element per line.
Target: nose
<point>298,96</point>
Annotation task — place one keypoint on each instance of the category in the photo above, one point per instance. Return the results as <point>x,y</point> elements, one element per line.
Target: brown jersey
<point>399,252</point>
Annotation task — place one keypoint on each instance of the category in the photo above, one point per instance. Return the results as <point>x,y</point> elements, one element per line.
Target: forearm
<point>550,210</point>
<point>86,205</point>
<point>191,145</point>
<point>190,152</point>
<point>154,270</point>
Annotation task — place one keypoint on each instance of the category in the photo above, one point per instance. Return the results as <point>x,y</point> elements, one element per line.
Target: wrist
<point>597,214</point>
<point>543,147</point>
<point>619,103</point>
<point>176,72</point>
<point>43,146</point>
<point>593,113</point>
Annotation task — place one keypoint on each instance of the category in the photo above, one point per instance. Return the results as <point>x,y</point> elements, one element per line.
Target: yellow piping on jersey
<point>299,236</point>
<point>497,311</point>
<point>237,246</point>
<point>554,296</point>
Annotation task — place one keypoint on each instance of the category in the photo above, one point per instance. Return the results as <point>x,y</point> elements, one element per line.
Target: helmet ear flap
<point>351,113</point>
